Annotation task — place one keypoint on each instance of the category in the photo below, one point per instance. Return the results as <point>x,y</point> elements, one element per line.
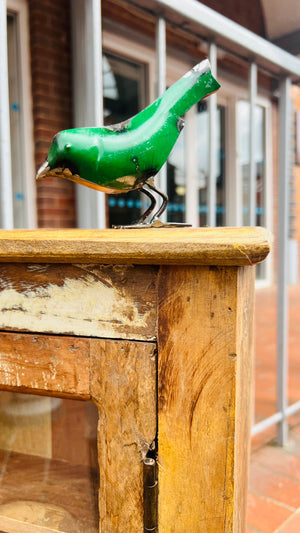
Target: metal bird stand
<point>150,218</point>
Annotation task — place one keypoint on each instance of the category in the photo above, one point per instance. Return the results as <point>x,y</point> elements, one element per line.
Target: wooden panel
<point>44,364</point>
<point>244,391</point>
<point>153,246</point>
<point>126,398</point>
<point>89,300</point>
<point>199,343</point>
<point>76,423</point>
<point>9,525</point>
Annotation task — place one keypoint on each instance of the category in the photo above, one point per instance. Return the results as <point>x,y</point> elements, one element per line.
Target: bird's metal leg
<point>164,203</point>
<point>151,206</point>
<point>154,222</point>
<point>141,222</point>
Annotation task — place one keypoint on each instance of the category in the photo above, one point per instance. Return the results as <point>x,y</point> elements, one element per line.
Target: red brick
<point>274,485</point>
<point>50,38</point>
<point>292,525</point>
<point>278,460</point>
<point>264,514</point>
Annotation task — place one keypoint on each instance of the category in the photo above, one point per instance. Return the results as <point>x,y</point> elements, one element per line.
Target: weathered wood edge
<point>104,301</point>
<point>15,526</point>
<point>172,246</point>
<point>244,391</point>
<point>51,365</point>
<point>197,328</point>
<point>123,386</point>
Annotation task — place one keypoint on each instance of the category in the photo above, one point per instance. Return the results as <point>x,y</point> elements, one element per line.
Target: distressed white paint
<point>79,306</point>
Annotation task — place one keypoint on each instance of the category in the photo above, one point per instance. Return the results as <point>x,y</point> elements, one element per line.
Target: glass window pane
<point>260,165</point>
<point>124,96</point>
<point>48,463</point>
<point>243,139</point>
<point>203,163</point>
<point>243,142</point>
<point>176,182</point>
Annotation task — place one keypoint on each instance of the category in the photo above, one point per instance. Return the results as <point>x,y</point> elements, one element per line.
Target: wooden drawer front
<point>45,364</point>
<point>87,300</point>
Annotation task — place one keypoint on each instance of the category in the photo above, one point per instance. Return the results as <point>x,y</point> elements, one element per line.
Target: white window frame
<point>20,8</point>
<point>115,39</point>
<point>231,94</point>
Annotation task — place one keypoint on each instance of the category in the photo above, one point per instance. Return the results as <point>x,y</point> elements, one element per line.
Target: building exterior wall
<point>50,47</point>
<point>248,14</point>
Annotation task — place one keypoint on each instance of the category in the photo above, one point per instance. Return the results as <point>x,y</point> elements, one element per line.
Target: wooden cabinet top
<point>149,246</point>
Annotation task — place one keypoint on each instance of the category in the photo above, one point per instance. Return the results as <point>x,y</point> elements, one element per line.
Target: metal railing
<point>241,42</point>
<point>285,67</point>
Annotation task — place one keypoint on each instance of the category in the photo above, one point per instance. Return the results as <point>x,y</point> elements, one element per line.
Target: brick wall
<point>248,14</point>
<point>52,102</point>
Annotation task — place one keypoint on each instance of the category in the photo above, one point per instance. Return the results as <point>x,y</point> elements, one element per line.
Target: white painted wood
<point>252,167</point>
<point>190,160</point>
<point>267,265</point>
<point>212,113</point>
<point>88,96</point>
<point>233,177</point>
<point>21,8</point>
<point>6,213</point>
<point>87,300</point>
<point>161,60</point>
<point>115,39</point>
<point>283,224</point>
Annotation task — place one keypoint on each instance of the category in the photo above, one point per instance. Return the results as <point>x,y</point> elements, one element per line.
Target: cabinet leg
<point>205,337</point>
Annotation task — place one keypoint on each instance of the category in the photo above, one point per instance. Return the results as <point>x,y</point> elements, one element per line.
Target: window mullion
<point>212,112</point>
<point>161,87</point>
<point>252,161</point>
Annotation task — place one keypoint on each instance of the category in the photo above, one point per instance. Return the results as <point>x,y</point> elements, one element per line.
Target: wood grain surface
<point>88,300</point>
<point>201,323</point>
<point>154,246</point>
<point>123,385</point>
<point>11,525</point>
<point>244,391</point>
<point>45,364</point>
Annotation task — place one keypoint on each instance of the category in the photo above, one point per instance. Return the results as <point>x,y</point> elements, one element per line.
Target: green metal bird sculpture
<point>126,156</point>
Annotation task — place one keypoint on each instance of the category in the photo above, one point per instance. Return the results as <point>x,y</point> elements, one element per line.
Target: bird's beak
<point>43,170</point>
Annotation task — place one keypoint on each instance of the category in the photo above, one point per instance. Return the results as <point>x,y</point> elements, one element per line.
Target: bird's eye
<point>67,147</point>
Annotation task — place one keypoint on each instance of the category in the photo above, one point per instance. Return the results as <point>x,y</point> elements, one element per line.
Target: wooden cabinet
<point>155,326</point>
